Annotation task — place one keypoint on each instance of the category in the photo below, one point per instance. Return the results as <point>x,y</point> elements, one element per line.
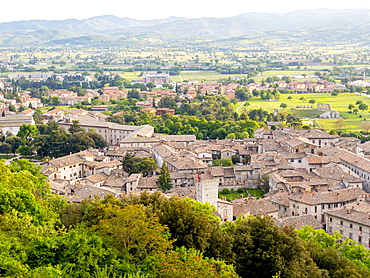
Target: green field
<point>339,103</point>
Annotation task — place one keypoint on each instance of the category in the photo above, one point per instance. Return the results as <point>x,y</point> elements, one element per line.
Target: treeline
<point>203,128</point>
<point>50,140</point>
<point>148,235</point>
<point>70,81</point>
<point>198,126</point>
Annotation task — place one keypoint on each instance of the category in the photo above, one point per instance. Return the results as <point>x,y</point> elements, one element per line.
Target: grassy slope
<point>339,103</point>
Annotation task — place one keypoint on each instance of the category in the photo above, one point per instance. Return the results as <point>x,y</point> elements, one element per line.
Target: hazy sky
<point>154,9</point>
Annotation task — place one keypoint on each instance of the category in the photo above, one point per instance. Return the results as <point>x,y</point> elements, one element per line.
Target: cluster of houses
<point>191,89</point>
<point>314,178</point>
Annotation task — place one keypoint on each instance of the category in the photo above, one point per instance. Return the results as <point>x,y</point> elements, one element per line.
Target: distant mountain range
<point>319,24</point>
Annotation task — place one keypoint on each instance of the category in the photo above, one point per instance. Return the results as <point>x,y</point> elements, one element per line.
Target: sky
<point>158,9</point>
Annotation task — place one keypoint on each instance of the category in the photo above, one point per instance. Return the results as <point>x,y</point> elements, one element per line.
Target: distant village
<point>313,177</point>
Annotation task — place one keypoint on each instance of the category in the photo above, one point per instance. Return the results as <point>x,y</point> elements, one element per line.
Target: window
<point>331,219</point>
<point>299,160</point>
<point>341,223</point>
<point>351,226</point>
<point>359,239</point>
<point>292,160</point>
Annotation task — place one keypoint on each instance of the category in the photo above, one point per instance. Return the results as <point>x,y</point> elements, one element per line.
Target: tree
<point>164,181</point>
<point>134,232</point>
<point>150,85</point>
<point>12,108</point>
<point>350,107</point>
<point>302,99</point>
<point>363,107</point>
<point>54,100</point>
<point>27,133</point>
<point>144,165</point>
<point>25,150</point>
<point>283,105</point>
<point>14,141</point>
<point>75,127</point>
<point>336,253</point>
<point>80,141</point>
<point>261,249</point>
<point>189,263</point>
<point>311,101</point>
<point>5,148</point>
<point>98,139</point>
<point>334,94</point>
<point>167,102</point>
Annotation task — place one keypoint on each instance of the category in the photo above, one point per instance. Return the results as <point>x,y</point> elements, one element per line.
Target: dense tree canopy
<point>149,235</point>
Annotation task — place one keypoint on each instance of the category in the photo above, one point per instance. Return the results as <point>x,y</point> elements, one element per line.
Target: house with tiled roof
<point>54,115</point>
<point>247,207</point>
<point>298,222</point>
<point>358,164</point>
<point>317,203</point>
<point>352,221</point>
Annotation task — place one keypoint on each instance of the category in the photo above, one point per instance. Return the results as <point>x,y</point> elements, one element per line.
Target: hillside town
<point>309,177</point>
<point>313,178</point>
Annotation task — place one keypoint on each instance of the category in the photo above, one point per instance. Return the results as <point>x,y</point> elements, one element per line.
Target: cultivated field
<point>351,121</point>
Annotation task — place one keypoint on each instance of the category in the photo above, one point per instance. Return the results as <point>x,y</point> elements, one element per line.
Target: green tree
<point>283,105</point>
<point>80,141</point>
<point>75,127</point>
<point>264,250</point>
<point>363,107</point>
<point>144,165</point>
<point>27,133</point>
<point>5,148</point>
<point>134,232</point>
<point>164,181</point>
<point>189,263</point>
<point>311,101</point>
<point>14,141</point>
<point>97,138</point>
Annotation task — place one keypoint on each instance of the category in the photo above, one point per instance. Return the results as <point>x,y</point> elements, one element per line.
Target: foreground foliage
<point>149,235</point>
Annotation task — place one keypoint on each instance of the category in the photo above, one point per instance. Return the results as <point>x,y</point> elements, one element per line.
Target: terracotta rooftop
<point>328,197</point>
